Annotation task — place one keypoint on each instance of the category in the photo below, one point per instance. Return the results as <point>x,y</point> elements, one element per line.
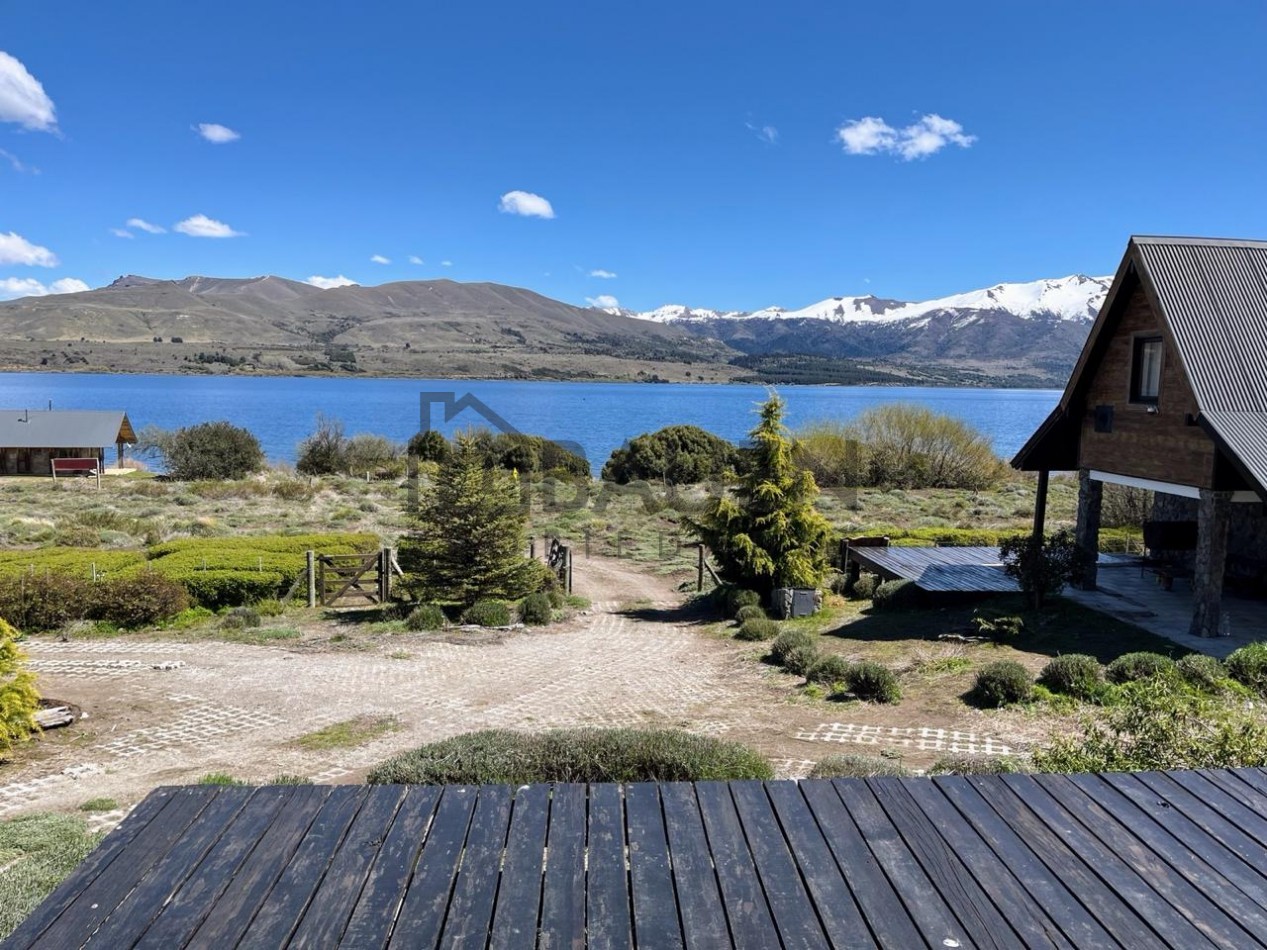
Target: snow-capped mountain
<point>1076,298</point>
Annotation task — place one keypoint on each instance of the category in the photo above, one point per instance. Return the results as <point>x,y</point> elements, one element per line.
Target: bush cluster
<point>830,670</point>
<point>1001,683</point>
<point>1074,674</point>
<point>998,626</point>
<point>487,613</point>
<point>212,450</point>
<point>864,587</point>
<point>736,599</point>
<point>1248,666</point>
<point>897,595</point>
<point>36,602</point>
<point>1130,667</point>
<point>757,628</point>
<point>535,610</point>
<point>750,612</point>
<point>329,452</point>
<point>677,455</point>
<point>873,682</point>
<point>1202,672</point>
<point>857,766</point>
<point>501,757</point>
<point>241,618</point>
<point>425,617</point>
<point>790,641</point>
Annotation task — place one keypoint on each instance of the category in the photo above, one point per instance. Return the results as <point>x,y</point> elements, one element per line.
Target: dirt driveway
<point>166,712</point>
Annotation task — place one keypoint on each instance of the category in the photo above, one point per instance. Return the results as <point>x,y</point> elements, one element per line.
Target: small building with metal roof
<point>1170,394</point>
<point>30,439</point>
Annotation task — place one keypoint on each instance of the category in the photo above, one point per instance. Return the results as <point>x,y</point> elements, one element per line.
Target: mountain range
<point>1017,333</point>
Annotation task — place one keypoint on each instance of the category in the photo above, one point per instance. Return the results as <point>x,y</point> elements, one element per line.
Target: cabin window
<point>1146,370</point>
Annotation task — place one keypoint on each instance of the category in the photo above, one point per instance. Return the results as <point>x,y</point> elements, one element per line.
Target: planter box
<point>787,603</point>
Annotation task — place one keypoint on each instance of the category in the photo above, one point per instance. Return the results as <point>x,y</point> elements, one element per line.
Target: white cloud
<point>17,163</point>
<point>525,203</point>
<point>122,233</point>
<point>766,133</point>
<point>603,302</point>
<point>871,135</point>
<point>22,98</point>
<point>142,225</point>
<point>446,263</point>
<point>216,133</point>
<point>14,287</point>
<point>15,249</point>
<point>380,259</point>
<point>415,259</point>
<point>604,274</point>
<point>328,283</point>
<point>201,226</point>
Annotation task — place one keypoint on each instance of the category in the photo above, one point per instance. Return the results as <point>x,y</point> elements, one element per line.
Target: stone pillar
<point>1087,532</point>
<point>1214,512</point>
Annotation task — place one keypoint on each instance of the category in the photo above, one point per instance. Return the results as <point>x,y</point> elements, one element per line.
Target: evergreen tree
<point>469,541</point>
<point>766,533</point>
<point>18,698</point>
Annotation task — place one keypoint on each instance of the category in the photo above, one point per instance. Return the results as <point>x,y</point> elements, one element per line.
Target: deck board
<point>945,569</point>
<point>1130,860</point>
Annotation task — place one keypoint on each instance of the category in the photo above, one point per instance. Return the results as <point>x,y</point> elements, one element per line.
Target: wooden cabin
<point>30,439</point>
<point>1170,394</point>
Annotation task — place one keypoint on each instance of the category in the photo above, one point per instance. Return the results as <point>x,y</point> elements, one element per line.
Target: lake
<point>599,417</point>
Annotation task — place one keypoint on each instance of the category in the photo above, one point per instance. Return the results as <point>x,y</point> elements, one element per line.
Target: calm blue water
<point>598,416</point>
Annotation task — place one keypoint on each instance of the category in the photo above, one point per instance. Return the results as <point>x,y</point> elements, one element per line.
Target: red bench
<point>81,466</point>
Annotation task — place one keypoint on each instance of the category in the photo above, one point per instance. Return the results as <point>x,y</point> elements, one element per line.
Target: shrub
<point>910,446</point>
<point>1248,666</point>
<point>997,626</point>
<point>750,612</point>
<point>737,600</point>
<point>1202,672</point>
<point>428,446</point>
<point>138,600</point>
<point>977,765</point>
<point>1130,667</point>
<point>325,451</point>
<point>790,640</point>
<point>373,454</point>
<point>830,670</point>
<point>213,450</point>
<point>758,628</point>
<point>1000,684</point>
<point>18,698</point>
<point>897,595</point>
<point>1074,674</point>
<point>536,610</point>
<point>677,455</point>
<point>1042,566</point>
<point>801,659</point>
<point>857,766</point>
<point>487,613</point>
<point>292,489</point>
<point>864,587</point>
<point>44,600</point>
<point>241,618</point>
<point>839,584</point>
<point>501,757</point>
<point>831,451</point>
<point>873,683</point>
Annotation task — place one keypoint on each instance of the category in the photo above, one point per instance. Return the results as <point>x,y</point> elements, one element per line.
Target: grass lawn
<point>348,734</point>
<point>36,853</point>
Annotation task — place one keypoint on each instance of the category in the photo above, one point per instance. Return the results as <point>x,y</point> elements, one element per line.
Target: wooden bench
<point>89,467</point>
<point>1162,539</point>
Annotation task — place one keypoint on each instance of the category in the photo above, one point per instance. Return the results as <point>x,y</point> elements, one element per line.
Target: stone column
<point>1087,532</point>
<point>1214,513</point>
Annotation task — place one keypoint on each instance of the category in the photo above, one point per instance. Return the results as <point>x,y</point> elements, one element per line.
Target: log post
<point>1214,513</point>
<point>699,571</point>
<point>1040,505</point>
<point>312,579</point>
<point>1087,532</point>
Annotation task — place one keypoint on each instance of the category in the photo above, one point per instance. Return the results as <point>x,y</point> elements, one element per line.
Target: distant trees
<point>329,452</point>
<point>766,533</point>
<point>210,450</point>
<point>677,455</point>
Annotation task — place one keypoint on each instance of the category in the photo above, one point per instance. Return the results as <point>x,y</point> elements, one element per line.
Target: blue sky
<point>731,155</point>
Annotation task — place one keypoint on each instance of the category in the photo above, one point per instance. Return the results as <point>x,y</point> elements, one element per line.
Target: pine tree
<point>18,698</point>
<point>469,540</point>
<point>766,533</point>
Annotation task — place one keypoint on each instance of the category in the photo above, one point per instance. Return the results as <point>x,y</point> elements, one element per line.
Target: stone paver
<point>925,739</point>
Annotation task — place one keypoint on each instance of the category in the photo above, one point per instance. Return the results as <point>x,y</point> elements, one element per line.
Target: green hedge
<point>75,561</point>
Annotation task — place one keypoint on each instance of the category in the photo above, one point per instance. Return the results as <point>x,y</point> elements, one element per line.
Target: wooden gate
<point>353,580</point>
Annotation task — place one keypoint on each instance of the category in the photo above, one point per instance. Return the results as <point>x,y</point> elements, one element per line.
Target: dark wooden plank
<point>289,898</point>
<point>252,882</point>
<point>519,895</point>
<point>332,903</point>
<point>427,894</point>
<point>789,900</point>
<point>563,892</point>
<point>990,860</point>
<point>1254,778</point>
<point>838,912</point>
<point>1188,884</point>
<point>470,915</point>
<point>971,902</point>
<point>884,910</point>
<point>1236,787</point>
<point>751,924</point>
<point>1044,862</point>
<point>1119,874</point>
<point>381,898</point>
<point>193,899</point>
<point>148,849</point>
<point>1226,849</point>
<point>655,914</point>
<point>1246,819</point>
<point>92,866</point>
<point>607,884</point>
<point>929,909</point>
<point>699,898</point>
<point>1226,902</point>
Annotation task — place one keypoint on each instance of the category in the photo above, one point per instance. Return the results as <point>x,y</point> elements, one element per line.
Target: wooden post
<point>699,570</point>
<point>532,548</point>
<point>1087,531</point>
<point>384,574</point>
<point>312,579</point>
<point>1040,505</point>
<point>569,561</point>
<point>1214,515</point>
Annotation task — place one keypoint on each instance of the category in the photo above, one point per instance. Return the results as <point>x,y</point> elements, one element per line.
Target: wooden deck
<point>1132,860</point>
<point>945,569</point>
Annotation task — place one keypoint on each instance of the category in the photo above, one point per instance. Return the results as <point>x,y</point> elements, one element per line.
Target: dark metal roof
<point>1211,294</point>
<point>1152,859</point>
<point>63,428</point>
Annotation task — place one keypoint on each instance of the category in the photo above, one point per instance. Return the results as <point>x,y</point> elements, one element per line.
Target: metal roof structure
<point>1211,296</point>
<point>1150,859</point>
<point>64,428</point>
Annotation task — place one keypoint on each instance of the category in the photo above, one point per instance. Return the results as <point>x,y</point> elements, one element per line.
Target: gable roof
<point>64,428</point>
<point>1211,296</point>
